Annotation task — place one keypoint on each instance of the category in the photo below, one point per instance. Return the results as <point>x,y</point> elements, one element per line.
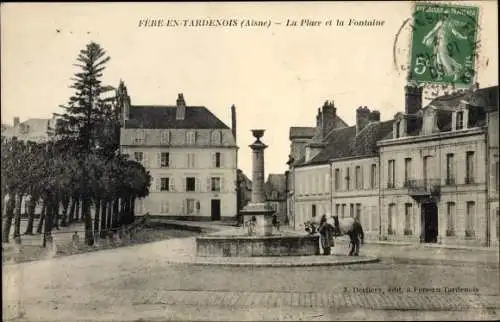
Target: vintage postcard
<point>256,161</point>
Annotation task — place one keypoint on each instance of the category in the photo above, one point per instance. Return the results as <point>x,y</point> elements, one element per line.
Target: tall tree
<point>85,115</point>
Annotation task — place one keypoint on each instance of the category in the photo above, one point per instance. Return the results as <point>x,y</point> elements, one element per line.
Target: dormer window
<point>216,137</point>
<point>165,137</point>
<point>460,120</point>
<point>397,135</point>
<point>191,137</point>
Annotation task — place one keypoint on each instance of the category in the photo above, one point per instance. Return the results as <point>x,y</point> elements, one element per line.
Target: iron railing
<point>424,187</point>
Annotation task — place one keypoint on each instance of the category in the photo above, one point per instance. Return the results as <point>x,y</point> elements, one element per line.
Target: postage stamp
<point>444,44</point>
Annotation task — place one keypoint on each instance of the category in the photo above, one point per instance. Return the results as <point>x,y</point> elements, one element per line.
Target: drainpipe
<point>330,172</point>
<point>487,173</point>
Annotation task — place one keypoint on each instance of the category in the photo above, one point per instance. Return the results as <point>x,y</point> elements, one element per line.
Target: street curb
<point>202,261</point>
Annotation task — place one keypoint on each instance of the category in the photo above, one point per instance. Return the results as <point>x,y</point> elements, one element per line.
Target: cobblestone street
<point>136,282</point>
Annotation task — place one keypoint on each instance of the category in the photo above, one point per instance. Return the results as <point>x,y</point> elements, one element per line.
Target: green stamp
<point>444,43</point>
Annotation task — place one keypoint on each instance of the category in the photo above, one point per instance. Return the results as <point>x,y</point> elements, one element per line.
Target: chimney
<point>329,114</point>
<point>318,135</point>
<point>374,116</point>
<point>233,121</point>
<point>362,118</point>
<point>413,98</point>
<point>181,107</point>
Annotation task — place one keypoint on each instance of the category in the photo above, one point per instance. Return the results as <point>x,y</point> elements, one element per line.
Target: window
<point>373,176</point>
<point>359,178</point>
<point>164,159</point>
<point>198,206</point>
<point>190,184</point>
<point>347,179</point>
<point>450,169</point>
<point>460,120</point>
<point>313,210</point>
<point>164,207</point>
<point>427,168</point>
<point>497,173</point>
<point>408,221</point>
<point>191,160</point>
<point>165,137</point>
<point>190,137</point>
<point>190,205</point>
<point>450,219</point>
<point>391,174</point>
<point>139,137</point>
<point>390,219</point>
<point>397,129</point>
<point>469,176</point>
<point>337,210</point>
<point>215,184</point>
<point>164,184</point>
<point>358,211</point>
<point>351,210</point>
<point>407,171</point>
<point>216,137</point>
<point>343,210</point>
<point>217,160</point>
<point>337,179</point>
<point>139,156</point>
<point>469,228</point>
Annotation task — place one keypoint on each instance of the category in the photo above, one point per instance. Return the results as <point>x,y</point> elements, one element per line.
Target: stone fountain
<point>258,236</point>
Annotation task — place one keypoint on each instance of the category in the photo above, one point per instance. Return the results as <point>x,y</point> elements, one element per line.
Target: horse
<point>352,228</point>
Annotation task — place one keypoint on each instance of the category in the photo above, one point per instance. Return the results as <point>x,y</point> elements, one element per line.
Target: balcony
<point>424,188</point>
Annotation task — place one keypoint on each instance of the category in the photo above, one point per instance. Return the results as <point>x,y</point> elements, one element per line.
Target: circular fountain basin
<point>257,246</point>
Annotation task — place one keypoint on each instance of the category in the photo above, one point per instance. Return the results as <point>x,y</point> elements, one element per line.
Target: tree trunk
<point>49,211</point>
<point>65,203</point>
<point>9,214</point>
<point>72,209</point>
<point>97,217</point>
<point>55,214</point>
<point>17,221</point>
<point>132,209</point>
<point>42,216</point>
<point>116,213</point>
<point>109,215</point>
<point>78,210</point>
<point>104,207</point>
<point>31,216</point>
<point>87,217</point>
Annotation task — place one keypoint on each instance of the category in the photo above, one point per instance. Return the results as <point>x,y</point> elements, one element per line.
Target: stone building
<point>419,177</point>
<point>35,130</point>
<point>433,171</point>
<point>190,153</point>
<point>275,190</point>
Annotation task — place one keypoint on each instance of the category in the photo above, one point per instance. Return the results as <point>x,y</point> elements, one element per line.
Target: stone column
<point>258,195</point>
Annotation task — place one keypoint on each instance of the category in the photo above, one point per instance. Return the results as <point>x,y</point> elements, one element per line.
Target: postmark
<point>444,44</point>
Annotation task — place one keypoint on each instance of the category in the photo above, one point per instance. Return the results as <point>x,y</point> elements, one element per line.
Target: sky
<point>277,76</point>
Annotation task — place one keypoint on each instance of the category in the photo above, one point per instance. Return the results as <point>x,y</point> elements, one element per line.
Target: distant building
<point>244,190</point>
<point>493,169</point>
<point>35,130</point>
<point>275,190</point>
<point>190,154</point>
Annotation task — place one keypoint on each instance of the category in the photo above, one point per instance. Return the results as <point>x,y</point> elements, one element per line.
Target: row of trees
<point>79,169</point>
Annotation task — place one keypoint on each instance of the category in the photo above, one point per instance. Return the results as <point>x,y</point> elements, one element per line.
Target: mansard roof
<point>164,117</point>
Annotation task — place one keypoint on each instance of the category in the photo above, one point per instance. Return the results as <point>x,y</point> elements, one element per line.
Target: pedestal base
<point>263,215</point>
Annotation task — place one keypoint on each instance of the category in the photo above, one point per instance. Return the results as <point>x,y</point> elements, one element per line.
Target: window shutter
<point>158,159</point>
<point>183,206</point>
<point>171,183</point>
<point>208,184</point>
<point>213,159</point>
<point>145,160</point>
<point>222,159</point>
<point>193,160</point>
<point>188,159</point>
<point>198,185</point>
<point>158,184</point>
<point>183,184</point>
<point>222,186</point>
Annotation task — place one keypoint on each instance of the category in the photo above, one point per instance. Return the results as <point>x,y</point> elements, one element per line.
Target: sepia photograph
<point>250,161</point>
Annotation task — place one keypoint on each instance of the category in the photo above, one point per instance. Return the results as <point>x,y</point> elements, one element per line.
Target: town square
<point>203,177</point>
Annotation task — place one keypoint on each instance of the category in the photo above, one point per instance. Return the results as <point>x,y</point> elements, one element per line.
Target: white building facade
<point>191,156</point>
